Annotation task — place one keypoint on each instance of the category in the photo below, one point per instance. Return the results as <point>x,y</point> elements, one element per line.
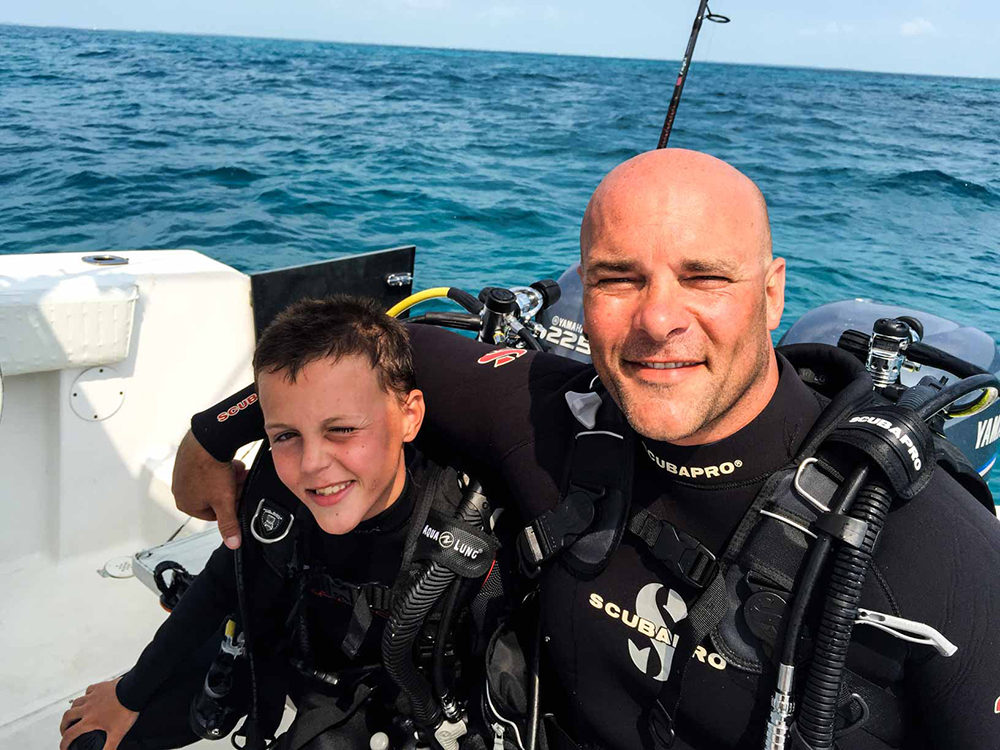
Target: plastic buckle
<point>694,562</point>
<point>558,527</point>
<point>702,569</point>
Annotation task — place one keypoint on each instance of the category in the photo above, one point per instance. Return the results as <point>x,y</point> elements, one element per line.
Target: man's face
<point>679,300</point>
<point>337,438</point>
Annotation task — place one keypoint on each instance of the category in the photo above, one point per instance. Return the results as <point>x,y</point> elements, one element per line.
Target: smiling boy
<point>337,424</point>
<point>336,386</point>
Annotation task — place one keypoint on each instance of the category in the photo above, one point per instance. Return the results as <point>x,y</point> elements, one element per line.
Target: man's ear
<point>413,414</point>
<point>774,292</point>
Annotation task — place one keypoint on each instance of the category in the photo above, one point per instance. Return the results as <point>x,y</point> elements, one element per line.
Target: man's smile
<point>664,365</point>
<point>660,369</point>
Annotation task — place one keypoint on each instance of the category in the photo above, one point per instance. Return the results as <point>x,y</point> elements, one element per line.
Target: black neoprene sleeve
<point>230,424</point>
<point>197,616</point>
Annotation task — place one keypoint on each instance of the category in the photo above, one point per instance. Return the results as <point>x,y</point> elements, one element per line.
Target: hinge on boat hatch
<point>398,279</point>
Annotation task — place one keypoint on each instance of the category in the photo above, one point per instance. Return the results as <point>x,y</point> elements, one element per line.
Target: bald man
<point>636,480</point>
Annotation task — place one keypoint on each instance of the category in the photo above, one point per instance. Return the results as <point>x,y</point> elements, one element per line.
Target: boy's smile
<point>337,438</point>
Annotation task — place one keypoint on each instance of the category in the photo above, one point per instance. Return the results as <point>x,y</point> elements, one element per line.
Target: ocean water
<point>265,153</point>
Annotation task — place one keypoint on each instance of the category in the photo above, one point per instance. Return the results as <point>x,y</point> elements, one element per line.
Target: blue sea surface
<point>265,153</point>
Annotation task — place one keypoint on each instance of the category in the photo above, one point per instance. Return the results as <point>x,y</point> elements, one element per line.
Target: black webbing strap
<point>703,617</point>
<point>378,595</point>
<point>364,600</point>
<point>597,459</point>
<point>361,620</point>
<point>686,557</point>
<point>313,722</point>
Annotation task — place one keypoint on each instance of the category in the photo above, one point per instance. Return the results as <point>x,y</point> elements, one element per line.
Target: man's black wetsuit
<point>505,417</point>
<point>173,666</point>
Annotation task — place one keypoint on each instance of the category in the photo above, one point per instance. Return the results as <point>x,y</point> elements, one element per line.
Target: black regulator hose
<point>529,340</point>
<point>818,709</point>
<point>459,320</point>
<point>931,356</point>
<point>466,300</point>
<point>454,595</point>
<point>408,618</point>
<point>818,554</point>
<point>399,637</point>
<point>952,393</point>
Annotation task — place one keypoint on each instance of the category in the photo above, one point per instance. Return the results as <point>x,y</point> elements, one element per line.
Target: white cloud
<point>916,27</point>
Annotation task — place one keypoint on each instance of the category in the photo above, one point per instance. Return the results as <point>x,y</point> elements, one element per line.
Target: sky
<point>936,37</point>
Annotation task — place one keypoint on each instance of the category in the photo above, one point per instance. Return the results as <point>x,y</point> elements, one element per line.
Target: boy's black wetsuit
<point>172,668</point>
<point>610,639</point>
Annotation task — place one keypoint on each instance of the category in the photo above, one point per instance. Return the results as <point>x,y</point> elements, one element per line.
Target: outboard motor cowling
<point>563,320</point>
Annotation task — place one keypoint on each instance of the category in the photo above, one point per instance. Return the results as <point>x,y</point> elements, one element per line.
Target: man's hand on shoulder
<point>98,708</point>
<point>207,489</point>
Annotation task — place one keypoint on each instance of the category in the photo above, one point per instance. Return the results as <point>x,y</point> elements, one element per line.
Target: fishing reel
<point>499,316</point>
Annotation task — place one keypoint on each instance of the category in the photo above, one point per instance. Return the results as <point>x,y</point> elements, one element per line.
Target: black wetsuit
<point>609,639</point>
<point>173,666</point>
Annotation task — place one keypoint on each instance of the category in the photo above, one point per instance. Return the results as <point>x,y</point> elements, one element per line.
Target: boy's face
<point>337,438</point>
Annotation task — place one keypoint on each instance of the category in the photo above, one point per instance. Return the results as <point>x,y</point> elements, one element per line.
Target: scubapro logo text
<point>652,631</point>
<point>235,409</point>
<point>896,432</point>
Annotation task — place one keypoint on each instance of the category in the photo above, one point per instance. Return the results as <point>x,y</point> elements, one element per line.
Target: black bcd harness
<point>745,592</point>
<point>282,526</point>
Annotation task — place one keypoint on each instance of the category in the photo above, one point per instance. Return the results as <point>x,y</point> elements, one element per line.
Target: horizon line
<point>492,51</point>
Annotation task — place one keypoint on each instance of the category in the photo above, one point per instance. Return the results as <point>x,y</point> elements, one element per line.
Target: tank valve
<point>887,351</point>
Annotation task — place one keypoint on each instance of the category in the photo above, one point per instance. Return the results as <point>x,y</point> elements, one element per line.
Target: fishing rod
<point>703,13</point>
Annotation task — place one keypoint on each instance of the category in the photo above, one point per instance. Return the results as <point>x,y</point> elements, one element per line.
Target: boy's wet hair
<point>337,326</point>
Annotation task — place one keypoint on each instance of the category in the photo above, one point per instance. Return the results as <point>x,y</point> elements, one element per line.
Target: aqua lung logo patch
<point>896,432</point>
<point>996,707</point>
<point>695,472</point>
<point>501,357</point>
<point>235,409</point>
<point>652,645</point>
<point>987,432</point>
<point>447,540</point>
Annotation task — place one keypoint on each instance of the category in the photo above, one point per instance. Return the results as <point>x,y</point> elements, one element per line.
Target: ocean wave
<point>226,176</point>
<point>8,178</point>
<point>147,74</point>
<point>87,54</point>
<point>929,181</point>
<point>89,180</point>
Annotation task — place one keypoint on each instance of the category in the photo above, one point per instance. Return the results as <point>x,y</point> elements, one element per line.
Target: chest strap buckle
<point>681,552</point>
<point>559,527</point>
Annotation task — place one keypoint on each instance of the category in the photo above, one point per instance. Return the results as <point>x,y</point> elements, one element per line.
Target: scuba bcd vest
<point>746,592</point>
<point>277,529</point>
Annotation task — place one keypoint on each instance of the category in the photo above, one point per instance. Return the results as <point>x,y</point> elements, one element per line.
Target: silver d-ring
<point>257,536</point>
<point>802,490</point>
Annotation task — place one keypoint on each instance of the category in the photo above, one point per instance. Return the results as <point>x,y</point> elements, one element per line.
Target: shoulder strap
<point>587,524</point>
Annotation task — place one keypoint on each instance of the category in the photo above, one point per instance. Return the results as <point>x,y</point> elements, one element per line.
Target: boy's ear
<point>413,414</point>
